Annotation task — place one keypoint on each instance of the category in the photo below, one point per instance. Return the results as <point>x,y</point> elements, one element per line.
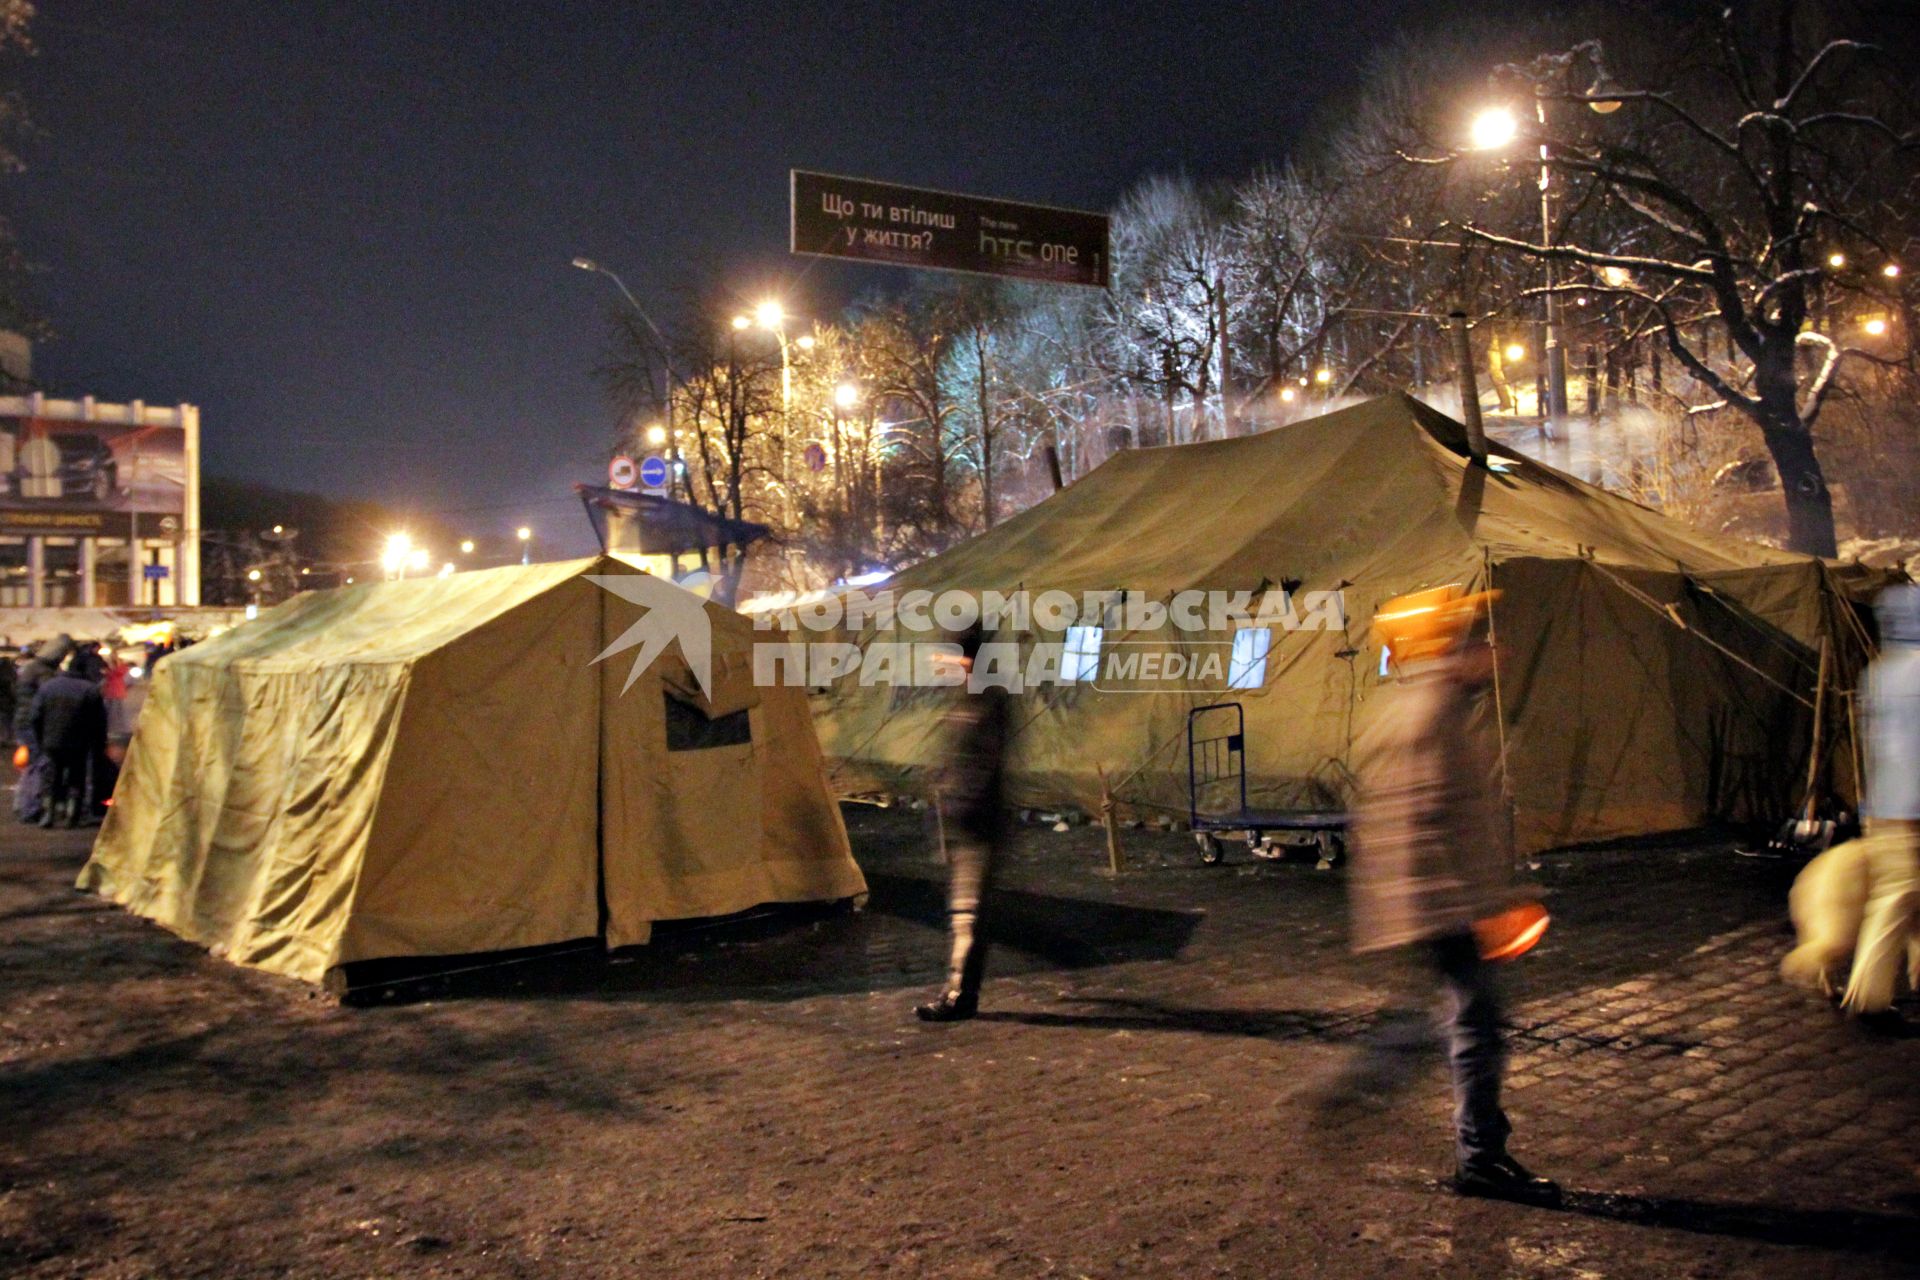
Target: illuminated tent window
<point>1248,669</point>
<point>1081,661</point>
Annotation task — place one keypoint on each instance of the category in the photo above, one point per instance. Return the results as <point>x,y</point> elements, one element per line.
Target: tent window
<point>1248,668</point>
<point>1081,661</point>
<point>688,730</point>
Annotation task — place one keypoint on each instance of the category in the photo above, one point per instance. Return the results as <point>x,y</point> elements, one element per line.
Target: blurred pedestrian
<point>29,793</point>
<point>975,822</point>
<point>89,665</point>
<point>9,679</point>
<point>1891,848</point>
<point>70,724</point>
<point>1433,864</point>
<point>113,691</point>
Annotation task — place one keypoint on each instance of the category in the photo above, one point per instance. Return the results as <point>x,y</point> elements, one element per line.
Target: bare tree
<point>1759,197</point>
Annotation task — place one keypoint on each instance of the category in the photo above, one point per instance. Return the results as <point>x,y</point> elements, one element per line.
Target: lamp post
<point>772,316</point>
<point>666,353</point>
<point>526,543</point>
<point>1548,75</point>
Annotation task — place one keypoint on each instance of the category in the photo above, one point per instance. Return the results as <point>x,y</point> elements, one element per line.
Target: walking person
<point>1891,848</point>
<point>1433,864</point>
<point>975,819</point>
<point>69,721</point>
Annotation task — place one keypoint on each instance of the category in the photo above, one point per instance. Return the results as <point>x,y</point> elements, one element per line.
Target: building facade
<point>99,503</point>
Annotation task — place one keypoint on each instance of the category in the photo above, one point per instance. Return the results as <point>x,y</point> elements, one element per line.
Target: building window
<point>1082,658</point>
<point>1248,668</point>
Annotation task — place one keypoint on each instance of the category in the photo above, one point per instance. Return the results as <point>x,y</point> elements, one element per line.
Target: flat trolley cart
<point>1216,764</point>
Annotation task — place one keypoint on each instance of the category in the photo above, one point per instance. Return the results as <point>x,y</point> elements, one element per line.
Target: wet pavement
<point>1138,1097</point>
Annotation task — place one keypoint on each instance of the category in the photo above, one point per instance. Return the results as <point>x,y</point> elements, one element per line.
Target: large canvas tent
<point>440,766</point>
<point>1655,676</point>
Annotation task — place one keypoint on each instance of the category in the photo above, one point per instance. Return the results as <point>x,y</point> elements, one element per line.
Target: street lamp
<point>1497,126</point>
<point>1493,129</point>
<point>394,556</point>
<point>666,356</point>
<point>846,395</point>
<point>656,435</point>
<point>466,546</point>
<point>526,544</point>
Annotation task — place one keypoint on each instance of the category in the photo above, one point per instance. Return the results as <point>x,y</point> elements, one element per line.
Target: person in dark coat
<point>69,722</point>
<point>34,672</point>
<point>976,825</point>
<point>90,665</point>
<point>9,688</point>
<point>29,793</point>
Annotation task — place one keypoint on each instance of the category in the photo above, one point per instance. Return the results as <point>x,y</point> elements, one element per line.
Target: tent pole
<point>1819,725</point>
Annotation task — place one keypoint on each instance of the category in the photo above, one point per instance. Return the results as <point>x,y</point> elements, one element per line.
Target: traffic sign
<point>622,473</point>
<point>653,472</point>
<point>816,456</point>
<point>154,572</point>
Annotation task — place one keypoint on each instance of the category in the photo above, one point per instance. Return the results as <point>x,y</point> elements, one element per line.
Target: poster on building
<point>59,476</point>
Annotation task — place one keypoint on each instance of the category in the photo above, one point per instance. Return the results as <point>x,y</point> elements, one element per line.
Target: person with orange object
<point>1433,862</point>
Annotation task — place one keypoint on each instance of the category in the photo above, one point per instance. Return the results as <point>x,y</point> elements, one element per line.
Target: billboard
<point>60,476</point>
<point>867,221</point>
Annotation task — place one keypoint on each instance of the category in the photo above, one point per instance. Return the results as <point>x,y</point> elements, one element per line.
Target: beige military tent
<point>1656,677</point>
<point>440,766</point>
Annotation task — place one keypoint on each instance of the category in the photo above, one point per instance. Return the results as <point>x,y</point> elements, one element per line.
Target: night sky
<point>344,230</point>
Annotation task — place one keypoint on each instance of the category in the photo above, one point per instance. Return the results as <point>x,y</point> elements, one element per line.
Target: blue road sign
<point>153,572</point>
<point>653,472</point>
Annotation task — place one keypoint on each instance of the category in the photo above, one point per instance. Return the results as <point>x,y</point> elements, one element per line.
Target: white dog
<point>1828,903</point>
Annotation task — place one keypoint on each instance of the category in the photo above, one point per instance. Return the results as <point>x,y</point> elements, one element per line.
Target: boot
<point>46,815</point>
<point>1504,1178</point>
<point>952,1006</point>
<point>961,999</point>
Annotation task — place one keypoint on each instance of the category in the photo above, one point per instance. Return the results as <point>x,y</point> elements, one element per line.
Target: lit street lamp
<point>1497,126</point>
<point>466,546</point>
<point>1492,129</point>
<point>526,544</point>
<point>395,555</point>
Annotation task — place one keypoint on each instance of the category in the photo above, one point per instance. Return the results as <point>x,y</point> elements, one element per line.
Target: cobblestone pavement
<point>1137,1097</point>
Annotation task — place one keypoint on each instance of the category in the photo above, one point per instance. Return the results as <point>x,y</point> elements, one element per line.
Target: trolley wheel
<point>1211,850</point>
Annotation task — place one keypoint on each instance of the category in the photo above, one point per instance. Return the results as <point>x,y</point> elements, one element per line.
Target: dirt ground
<point>1137,1098</point>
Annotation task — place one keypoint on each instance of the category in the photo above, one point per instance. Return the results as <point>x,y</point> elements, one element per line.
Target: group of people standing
<point>64,698</point>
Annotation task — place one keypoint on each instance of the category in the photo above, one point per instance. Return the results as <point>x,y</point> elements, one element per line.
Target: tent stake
<point>1111,820</point>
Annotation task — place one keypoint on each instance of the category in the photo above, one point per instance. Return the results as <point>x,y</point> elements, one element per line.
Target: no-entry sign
<point>867,221</point>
